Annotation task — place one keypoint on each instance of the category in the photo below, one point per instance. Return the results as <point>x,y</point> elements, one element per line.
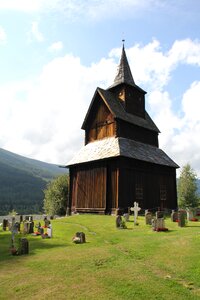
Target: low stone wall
<point>35,217</point>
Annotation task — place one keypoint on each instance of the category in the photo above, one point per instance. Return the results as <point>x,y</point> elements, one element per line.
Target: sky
<point>55,53</point>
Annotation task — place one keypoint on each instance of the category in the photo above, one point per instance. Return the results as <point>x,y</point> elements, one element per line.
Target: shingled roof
<point>115,147</point>
<point>119,112</point>
<point>124,74</point>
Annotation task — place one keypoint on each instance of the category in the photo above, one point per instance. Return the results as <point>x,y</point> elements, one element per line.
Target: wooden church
<point>121,161</point>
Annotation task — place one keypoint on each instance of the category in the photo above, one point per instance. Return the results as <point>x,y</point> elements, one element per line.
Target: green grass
<point>134,263</point>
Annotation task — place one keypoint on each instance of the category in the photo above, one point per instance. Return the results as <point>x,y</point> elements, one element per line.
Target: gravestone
<point>23,246</point>
<point>159,214</point>
<point>190,214</point>
<point>148,217</point>
<point>158,224</point>
<point>126,217</point>
<point>31,229</point>
<point>118,221</point>
<point>174,216</point>
<point>135,209</point>
<point>28,227</point>
<point>79,238</point>
<point>49,232</point>
<point>5,224</point>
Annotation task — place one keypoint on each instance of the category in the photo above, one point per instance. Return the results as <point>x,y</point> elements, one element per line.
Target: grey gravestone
<point>23,246</point>
<point>148,218</point>
<point>174,216</point>
<point>5,224</point>
<point>158,224</point>
<point>159,214</point>
<point>190,214</point>
<point>126,217</point>
<point>28,227</point>
<point>118,221</point>
<point>80,237</point>
<point>31,230</point>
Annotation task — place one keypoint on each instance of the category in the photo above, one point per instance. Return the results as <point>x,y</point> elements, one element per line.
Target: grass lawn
<point>133,263</point>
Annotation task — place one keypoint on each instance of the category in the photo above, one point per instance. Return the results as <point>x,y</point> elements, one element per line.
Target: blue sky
<point>54,53</point>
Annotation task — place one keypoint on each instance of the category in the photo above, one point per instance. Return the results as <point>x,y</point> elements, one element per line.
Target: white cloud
<point>3,36</point>
<point>90,9</point>
<point>55,47</point>
<point>27,6</point>
<point>47,125</point>
<point>35,32</point>
<point>47,114</point>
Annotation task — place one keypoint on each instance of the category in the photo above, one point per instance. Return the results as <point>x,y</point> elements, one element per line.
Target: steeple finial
<point>124,74</point>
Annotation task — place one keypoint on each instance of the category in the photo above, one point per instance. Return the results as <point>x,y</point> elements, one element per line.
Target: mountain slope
<point>22,181</point>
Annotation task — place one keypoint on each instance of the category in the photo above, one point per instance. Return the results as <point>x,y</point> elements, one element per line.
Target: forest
<point>22,182</point>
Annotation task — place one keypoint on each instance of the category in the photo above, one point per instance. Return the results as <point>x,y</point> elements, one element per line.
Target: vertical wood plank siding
<point>90,189</point>
<point>103,187</point>
<point>102,123</point>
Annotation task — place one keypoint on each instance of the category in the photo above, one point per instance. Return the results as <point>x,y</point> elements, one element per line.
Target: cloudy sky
<point>54,53</point>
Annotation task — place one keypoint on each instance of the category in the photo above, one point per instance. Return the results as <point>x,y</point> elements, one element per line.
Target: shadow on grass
<point>35,243</point>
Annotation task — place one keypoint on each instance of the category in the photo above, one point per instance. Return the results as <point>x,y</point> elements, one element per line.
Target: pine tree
<point>187,188</point>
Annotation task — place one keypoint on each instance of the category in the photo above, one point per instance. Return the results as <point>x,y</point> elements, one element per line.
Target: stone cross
<point>135,208</point>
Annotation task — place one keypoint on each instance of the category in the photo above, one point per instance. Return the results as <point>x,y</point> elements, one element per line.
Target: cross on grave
<point>135,208</point>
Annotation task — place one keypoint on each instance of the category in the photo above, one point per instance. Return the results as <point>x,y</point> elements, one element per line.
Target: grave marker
<point>135,209</point>
<point>148,217</point>
<point>174,216</point>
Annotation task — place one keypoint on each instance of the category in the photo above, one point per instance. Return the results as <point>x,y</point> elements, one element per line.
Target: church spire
<point>124,74</point>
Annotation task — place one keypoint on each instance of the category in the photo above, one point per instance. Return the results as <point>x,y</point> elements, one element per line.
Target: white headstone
<point>135,208</point>
<point>49,232</point>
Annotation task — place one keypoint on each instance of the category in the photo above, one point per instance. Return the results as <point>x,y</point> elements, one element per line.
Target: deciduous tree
<point>187,188</point>
<point>56,195</point>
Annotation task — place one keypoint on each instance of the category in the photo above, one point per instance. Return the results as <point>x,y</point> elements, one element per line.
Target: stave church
<point>121,161</point>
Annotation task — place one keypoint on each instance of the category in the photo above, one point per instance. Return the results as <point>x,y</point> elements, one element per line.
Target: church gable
<point>100,122</point>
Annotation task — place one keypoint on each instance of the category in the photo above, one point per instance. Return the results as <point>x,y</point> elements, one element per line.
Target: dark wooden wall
<point>132,99</point>
<point>134,103</point>
<point>151,185</point>
<point>133,132</point>
<point>116,183</point>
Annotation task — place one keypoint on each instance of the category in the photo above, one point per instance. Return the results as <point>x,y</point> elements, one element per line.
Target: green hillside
<point>22,181</point>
